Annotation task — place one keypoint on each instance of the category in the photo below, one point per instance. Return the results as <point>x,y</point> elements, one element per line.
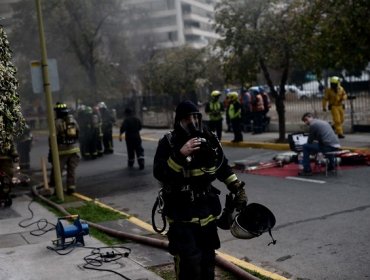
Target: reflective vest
<point>215,111</point>
<point>234,112</point>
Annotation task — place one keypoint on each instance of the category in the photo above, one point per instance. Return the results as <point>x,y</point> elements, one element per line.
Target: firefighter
<point>67,131</point>
<point>214,108</point>
<point>258,110</point>
<point>187,160</point>
<point>107,128</point>
<point>334,97</point>
<point>131,127</point>
<point>24,143</point>
<point>235,115</point>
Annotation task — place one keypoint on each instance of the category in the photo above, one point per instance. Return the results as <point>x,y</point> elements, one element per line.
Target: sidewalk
<point>25,256</point>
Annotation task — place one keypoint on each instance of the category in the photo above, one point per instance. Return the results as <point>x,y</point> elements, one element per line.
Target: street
<point>322,229</point>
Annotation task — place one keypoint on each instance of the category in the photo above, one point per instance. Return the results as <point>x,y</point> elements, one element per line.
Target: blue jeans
<point>313,149</point>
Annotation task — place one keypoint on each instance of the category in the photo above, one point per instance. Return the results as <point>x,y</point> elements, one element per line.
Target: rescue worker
<point>24,143</point>
<point>87,134</point>
<point>67,131</point>
<point>107,128</point>
<point>246,101</point>
<point>266,108</point>
<point>131,127</point>
<point>258,110</point>
<point>214,108</point>
<point>98,132</point>
<point>334,97</point>
<point>235,115</point>
<point>187,160</point>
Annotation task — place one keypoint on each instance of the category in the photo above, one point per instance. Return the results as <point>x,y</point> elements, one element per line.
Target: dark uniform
<point>186,169</point>
<point>234,112</point>
<point>68,148</point>
<point>131,126</point>
<point>24,143</point>
<point>107,128</point>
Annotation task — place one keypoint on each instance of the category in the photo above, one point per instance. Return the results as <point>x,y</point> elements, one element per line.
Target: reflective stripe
<point>69,152</point>
<point>173,165</point>
<point>202,222</point>
<point>230,179</point>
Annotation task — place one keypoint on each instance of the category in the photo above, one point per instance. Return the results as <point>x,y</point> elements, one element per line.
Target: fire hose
<point>162,244</point>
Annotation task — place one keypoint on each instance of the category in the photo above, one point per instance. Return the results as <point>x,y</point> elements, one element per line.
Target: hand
<point>240,200</point>
<point>189,147</point>
<point>120,138</point>
<point>240,197</point>
<point>324,109</point>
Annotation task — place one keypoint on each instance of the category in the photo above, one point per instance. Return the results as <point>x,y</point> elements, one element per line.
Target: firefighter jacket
<point>235,110</point>
<point>131,126</point>
<point>67,131</point>
<point>187,191</point>
<point>214,109</point>
<point>334,98</point>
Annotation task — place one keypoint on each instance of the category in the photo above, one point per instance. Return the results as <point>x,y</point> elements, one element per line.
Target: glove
<point>324,109</point>
<point>240,197</point>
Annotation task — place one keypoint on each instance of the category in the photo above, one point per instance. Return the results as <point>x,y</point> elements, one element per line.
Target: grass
<point>91,212</point>
<point>94,213</point>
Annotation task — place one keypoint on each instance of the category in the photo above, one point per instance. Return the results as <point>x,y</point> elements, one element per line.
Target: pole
<point>50,113</point>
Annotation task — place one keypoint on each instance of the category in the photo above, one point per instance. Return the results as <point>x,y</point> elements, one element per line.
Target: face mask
<point>192,125</point>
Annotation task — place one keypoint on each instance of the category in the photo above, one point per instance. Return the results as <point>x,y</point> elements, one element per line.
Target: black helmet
<point>184,109</point>
<point>61,110</point>
<point>252,221</point>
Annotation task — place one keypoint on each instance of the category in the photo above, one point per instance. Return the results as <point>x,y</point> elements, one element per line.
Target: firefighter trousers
<point>337,113</point>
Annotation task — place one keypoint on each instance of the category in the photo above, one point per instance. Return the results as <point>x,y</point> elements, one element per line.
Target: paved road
<point>322,228</point>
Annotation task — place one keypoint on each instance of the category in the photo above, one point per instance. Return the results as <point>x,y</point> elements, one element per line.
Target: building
<point>173,23</point>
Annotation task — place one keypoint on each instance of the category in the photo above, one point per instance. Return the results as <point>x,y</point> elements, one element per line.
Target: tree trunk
<point>280,109</point>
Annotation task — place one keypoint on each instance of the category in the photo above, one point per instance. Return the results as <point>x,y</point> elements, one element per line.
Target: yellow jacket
<point>334,98</point>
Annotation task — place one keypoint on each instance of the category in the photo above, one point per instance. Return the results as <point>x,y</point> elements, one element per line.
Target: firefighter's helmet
<point>252,221</point>
<point>215,93</point>
<point>335,80</point>
<point>61,110</point>
<point>233,96</point>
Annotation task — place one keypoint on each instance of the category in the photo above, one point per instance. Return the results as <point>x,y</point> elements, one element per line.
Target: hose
<point>162,244</point>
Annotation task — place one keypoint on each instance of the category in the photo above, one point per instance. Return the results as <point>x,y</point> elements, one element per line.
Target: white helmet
<point>252,221</point>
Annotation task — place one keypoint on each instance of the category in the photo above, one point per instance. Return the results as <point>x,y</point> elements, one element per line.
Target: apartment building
<point>173,23</point>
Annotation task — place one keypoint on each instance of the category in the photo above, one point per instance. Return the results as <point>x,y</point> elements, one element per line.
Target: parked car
<point>299,93</point>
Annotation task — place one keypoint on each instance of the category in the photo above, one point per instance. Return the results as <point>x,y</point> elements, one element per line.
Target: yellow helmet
<point>233,95</point>
<point>335,80</point>
<point>215,93</point>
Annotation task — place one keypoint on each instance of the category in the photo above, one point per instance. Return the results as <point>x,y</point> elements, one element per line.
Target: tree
<point>174,72</point>
<point>338,33</point>
<point>11,119</point>
<point>258,35</point>
<point>86,37</point>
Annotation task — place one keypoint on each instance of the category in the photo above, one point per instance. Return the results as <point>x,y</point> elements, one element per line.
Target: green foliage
<point>94,213</point>
<point>174,71</point>
<point>11,118</point>
<point>337,34</point>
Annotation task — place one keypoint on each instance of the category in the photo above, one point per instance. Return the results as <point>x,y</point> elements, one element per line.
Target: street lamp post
<point>50,113</point>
